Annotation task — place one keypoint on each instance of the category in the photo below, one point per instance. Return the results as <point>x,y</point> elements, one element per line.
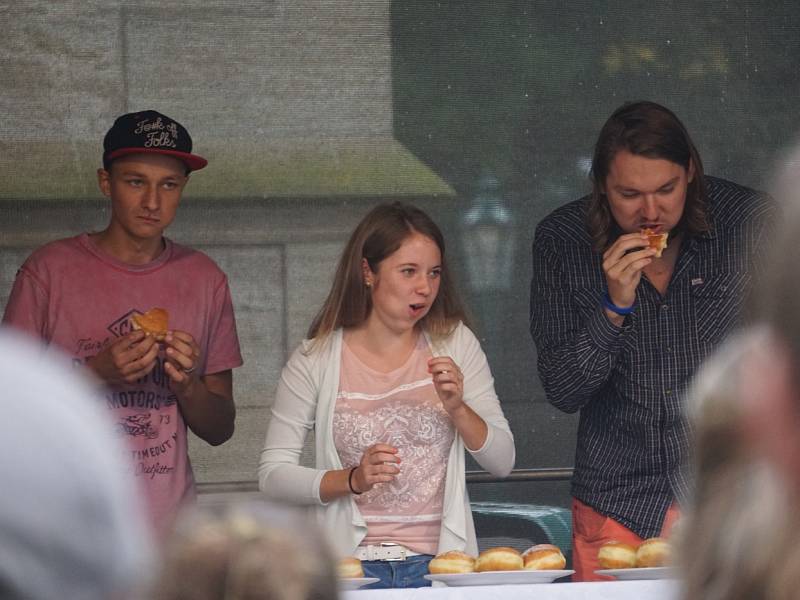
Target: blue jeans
<point>406,573</point>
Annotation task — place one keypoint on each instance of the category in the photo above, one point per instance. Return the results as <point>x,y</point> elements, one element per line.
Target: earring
<point>368,284</point>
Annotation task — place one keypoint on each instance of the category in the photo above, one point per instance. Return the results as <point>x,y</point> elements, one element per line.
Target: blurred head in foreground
<point>246,551</point>
<point>746,514</point>
<point>771,380</point>
<point>69,523</point>
<point>737,536</point>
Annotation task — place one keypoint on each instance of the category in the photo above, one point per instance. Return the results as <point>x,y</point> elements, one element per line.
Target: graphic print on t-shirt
<point>145,411</point>
<point>124,325</point>
<point>400,408</point>
<point>138,425</point>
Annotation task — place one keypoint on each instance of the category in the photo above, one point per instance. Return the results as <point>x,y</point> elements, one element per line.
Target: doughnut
<point>653,552</point>
<point>656,241</point>
<point>154,322</point>
<point>499,559</point>
<point>543,557</point>
<point>616,555</point>
<point>452,561</point>
<point>349,567</point>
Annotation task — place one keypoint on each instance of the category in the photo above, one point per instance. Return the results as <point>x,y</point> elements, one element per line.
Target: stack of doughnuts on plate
<point>653,552</point>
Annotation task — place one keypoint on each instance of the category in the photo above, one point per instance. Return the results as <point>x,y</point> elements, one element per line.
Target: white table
<point>605,590</point>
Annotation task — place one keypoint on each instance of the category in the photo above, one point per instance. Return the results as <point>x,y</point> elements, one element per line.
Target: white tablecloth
<point>605,590</point>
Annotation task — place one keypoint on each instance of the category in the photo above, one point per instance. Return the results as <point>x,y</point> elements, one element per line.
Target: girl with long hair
<point>395,386</point>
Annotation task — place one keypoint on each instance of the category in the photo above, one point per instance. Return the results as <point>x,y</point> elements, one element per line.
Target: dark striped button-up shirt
<point>629,381</point>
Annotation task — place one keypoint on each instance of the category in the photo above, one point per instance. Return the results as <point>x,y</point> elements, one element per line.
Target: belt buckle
<point>391,557</point>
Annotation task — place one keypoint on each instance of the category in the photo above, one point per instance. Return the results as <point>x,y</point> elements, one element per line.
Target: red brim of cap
<point>194,162</point>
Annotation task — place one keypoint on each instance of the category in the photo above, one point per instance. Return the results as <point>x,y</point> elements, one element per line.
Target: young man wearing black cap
<point>82,295</point>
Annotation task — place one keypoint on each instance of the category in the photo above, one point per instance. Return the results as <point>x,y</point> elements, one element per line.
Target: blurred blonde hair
<point>738,536</point>
<point>246,551</point>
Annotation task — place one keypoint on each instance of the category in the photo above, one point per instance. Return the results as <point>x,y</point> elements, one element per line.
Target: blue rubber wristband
<point>607,303</point>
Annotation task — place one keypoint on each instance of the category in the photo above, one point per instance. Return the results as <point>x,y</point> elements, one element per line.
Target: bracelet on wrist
<point>620,310</point>
<point>350,482</point>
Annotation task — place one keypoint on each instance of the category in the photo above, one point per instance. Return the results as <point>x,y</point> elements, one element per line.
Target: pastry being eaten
<point>154,322</point>
<point>657,241</point>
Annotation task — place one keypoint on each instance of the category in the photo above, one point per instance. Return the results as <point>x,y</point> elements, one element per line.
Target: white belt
<point>384,551</point>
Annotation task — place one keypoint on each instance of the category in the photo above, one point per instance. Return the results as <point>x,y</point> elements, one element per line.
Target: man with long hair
<point>621,322</point>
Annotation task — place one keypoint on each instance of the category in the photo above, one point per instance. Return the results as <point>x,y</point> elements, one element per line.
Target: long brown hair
<point>653,131</point>
<point>379,234</point>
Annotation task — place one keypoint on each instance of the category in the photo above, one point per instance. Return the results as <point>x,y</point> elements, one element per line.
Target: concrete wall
<point>291,102</point>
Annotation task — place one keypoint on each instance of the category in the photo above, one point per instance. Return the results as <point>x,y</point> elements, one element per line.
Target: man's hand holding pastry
<point>622,264</point>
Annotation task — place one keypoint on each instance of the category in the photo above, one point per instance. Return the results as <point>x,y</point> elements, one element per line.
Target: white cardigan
<point>305,400</point>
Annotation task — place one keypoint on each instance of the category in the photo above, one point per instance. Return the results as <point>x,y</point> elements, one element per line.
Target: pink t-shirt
<point>400,408</point>
<point>77,298</point>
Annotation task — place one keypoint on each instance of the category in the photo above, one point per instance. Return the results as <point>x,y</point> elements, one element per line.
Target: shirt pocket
<point>718,303</point>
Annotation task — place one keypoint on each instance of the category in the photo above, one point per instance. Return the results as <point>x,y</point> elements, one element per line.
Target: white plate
<point>353,583</point>
<point>499,577</point>
<point>640,573</point>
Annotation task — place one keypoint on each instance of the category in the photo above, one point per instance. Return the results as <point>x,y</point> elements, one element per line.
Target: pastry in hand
<point>656,241</point>
<point>154,322</point>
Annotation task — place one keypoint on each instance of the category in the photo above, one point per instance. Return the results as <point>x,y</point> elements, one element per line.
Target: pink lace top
<point>399,408</point>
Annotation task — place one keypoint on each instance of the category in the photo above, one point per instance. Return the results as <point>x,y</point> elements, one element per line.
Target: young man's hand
<point>183,358</point>
<point>129,358</point>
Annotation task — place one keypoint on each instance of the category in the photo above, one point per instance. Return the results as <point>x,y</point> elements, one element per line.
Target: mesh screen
<point>310,112</point>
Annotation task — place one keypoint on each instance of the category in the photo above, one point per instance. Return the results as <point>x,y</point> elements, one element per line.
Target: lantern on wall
<point>488,238</point>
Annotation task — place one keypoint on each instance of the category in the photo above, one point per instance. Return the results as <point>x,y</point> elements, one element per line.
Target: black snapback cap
<point>150,132</point>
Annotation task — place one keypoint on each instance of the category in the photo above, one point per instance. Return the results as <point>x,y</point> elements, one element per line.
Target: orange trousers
<point>590,530</point>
